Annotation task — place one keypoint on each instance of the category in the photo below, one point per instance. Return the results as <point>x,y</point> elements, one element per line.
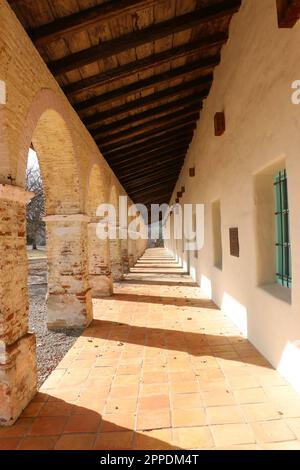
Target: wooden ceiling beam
<point>83,19</point>
<point>165,189</point>
<point>157,190</point>
<point>149,34</point>
<point>155,156</point>
<point>165,174</point>
<point>160,162</point>
<point>159,184</point>
<point>155,150</point>
<point>149,113</point>
<point>202,65</point>
<point>152,184</point>
<point>175,172</point>
<point>188,123</point>
<point>158,142</point>
<point>288,13</point>
<point>162,170</point>
<point>146,156</point>
<point>141,65</point>
<point>191,111</point>
<point>199,87</point>
<point>158,158</point>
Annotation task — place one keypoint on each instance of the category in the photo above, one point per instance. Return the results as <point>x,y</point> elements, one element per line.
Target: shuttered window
<point>283,245</point>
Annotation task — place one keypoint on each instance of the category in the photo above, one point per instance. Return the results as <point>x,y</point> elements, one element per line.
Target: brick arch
<point>49,128</point>
<point>96,189</point>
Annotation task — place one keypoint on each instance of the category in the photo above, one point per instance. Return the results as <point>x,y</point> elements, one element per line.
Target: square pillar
<point>131,247</point>
<point>115,252</point>
<point>116,259</point>
<point>69,300</point>
<point>18,377</point>
<point>136,251</point>
<point>100,275</point>
<point>125,258</point>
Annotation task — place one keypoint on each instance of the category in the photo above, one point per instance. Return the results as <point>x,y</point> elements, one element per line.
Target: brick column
<point>136,251</point>
<point>124,252</point>
<point>18,382</point>
<point>69,301</point>
<point>131,255</point>
<point>116,259</point>
<point>100,274</point>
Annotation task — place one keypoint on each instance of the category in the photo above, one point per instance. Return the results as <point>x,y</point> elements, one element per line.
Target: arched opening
<point>53,144</point>
<point>66,284</point>
<point>100,276</point>
<point>59,294</point>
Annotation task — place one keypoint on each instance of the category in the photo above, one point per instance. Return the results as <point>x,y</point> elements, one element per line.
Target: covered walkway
<point>160,367</point>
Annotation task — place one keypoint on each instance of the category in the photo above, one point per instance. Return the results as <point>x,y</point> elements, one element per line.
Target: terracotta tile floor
<point>160,368</point>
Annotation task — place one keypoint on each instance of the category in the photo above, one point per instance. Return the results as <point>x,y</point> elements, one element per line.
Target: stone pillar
<point>131,255</point>
<point>100,274</point>
<point>69,300</point>
<point>130,246</point>
<point>145,244</point>
<point>18,380</point>
<point>139,248</point>
<point>115,252</point>
<point>125,257</point>
<point>116,259</point>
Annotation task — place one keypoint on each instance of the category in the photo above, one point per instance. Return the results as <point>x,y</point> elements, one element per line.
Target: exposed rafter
<point>149,113</point>
<point>154,171</point>
<point>121,159</point>
<point>171,136</point>
<point>152,184</point>
<point>188,123</point>
<point>150,180</point>
<point>141,195</point>
<point>202,65</point>
<point>141,65</point>
<point>157,123</point>
<point>144,36</point>
<point>151,163</point>
<point>137,85</point>
<point>81,20</point>
<point>161,159</point>
<point>201,85</point>
<point>288,13</point>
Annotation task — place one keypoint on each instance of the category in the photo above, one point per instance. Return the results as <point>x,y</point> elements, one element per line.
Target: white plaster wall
<point>253,86</point>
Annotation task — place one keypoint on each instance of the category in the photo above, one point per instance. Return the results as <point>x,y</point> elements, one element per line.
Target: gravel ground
<point>51,345</point>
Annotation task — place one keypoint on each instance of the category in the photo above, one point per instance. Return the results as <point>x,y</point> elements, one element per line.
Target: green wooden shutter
<point>283,246</point>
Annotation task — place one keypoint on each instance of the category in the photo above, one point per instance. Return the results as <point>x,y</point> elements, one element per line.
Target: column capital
<point>12,193</point>
<point>67,218</point>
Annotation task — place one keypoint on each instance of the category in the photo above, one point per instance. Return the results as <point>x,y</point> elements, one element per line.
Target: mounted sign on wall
<point>234,242</point>
<point>219,124</point>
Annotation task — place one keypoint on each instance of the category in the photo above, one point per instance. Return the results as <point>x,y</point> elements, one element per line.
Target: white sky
<point>32,159</point>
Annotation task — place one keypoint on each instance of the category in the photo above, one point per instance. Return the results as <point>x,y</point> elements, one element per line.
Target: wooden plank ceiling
<point>136,71</point>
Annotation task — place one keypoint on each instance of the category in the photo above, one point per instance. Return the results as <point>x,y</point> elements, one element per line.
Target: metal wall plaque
<point>219,124</point>
<point>234,242</point>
